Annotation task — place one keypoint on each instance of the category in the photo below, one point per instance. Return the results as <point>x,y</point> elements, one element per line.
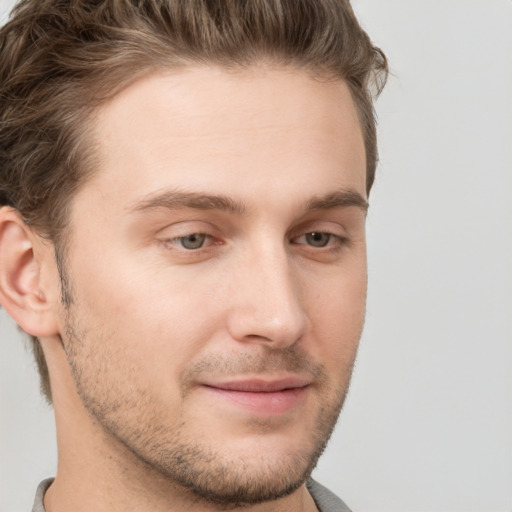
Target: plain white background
<point>428,423</point>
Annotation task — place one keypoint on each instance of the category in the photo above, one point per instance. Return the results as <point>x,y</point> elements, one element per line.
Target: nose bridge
<point>268,305</point>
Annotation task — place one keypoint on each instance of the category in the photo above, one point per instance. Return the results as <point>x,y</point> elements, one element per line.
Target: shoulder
<point>38,501</point>
<point>325,500</point>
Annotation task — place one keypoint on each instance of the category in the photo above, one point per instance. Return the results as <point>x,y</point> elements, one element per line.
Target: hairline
<point>87,146</point>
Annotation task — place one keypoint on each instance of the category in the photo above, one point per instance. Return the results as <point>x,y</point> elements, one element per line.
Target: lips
<point>261,396</point>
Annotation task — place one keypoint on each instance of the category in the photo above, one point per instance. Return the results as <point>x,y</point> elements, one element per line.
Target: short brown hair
<point>61,59</point>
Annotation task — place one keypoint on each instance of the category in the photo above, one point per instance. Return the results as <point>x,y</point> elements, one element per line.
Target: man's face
<point>217,268</point>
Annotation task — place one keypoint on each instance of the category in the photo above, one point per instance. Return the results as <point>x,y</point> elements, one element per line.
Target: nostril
<point>280,329</point>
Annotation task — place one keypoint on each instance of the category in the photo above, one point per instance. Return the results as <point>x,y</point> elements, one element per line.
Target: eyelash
<point>334,241</point>
<point>178,239</point>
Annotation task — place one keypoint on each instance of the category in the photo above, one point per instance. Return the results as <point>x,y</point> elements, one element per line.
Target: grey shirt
<point>325,500</point>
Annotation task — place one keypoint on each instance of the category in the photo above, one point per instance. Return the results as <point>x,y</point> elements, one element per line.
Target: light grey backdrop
<point>428,424</point>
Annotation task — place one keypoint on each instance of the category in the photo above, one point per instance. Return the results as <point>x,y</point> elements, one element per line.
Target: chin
<point>245,471</point>
<point>229,481</point>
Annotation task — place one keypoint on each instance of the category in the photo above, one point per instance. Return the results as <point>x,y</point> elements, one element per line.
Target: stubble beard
<point>201,470</point>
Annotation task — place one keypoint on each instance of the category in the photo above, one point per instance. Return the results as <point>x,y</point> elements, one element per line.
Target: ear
<point>22,255</point>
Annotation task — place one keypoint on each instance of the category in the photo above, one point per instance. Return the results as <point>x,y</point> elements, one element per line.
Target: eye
<point>317,238</point>
<point>192,241</point>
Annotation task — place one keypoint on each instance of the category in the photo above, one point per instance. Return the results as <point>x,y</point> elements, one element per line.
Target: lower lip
<point>262,403</point>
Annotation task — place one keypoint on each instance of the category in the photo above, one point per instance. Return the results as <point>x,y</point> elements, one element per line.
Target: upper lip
<point>261,385</point>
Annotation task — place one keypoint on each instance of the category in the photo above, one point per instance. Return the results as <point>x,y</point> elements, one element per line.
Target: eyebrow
<point>173,199</point>
<point>339,199</point>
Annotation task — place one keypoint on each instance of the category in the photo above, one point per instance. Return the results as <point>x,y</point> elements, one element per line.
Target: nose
<point>266,304</point>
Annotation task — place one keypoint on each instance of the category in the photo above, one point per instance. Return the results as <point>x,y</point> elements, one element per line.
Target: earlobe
<point>21,293</point>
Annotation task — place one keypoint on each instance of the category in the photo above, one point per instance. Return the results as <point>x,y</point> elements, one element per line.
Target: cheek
<point>162,315</point>
<point>337,317</point>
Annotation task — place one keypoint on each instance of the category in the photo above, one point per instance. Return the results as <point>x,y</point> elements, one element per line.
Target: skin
<point>160,325</point>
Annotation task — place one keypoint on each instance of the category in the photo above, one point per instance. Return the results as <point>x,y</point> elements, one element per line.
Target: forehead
<point>206,127</point>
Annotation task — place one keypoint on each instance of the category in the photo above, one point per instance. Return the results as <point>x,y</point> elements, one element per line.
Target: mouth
<point>264,397</point>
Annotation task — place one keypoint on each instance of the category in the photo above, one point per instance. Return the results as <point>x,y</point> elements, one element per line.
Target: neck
<point>90,491</point>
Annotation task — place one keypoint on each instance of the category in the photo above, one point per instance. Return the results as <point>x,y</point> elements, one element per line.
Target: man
<point>184,187</point>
